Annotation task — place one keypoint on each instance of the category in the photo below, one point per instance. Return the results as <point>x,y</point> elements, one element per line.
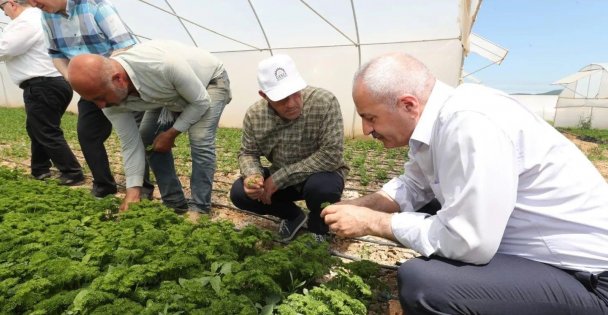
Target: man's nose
<point>367,128</point>
<point>291,101</point>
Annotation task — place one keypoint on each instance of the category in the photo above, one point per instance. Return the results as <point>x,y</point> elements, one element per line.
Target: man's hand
<point>165,140</point>
<point>355,221</point>
<point>254,186</point>
<point>133,195</point>
<point>269,189</point>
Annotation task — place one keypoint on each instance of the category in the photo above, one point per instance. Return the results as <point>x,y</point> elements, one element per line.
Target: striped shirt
<point>312,143</point>
<point>90,26</point>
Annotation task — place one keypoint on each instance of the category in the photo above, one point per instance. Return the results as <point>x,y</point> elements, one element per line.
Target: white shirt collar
<point>424,128</point>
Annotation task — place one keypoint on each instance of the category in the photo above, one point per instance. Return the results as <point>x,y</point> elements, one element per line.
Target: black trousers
<point>46,100</point>
<point>93,130</point>
<point>317,189</point>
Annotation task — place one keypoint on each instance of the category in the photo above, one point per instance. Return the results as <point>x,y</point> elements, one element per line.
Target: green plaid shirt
<point>312,143</point>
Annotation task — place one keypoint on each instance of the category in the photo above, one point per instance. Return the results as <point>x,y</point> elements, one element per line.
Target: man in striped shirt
<point>78,27</point>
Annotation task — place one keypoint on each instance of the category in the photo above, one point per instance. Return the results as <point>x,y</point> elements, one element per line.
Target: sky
<point>546,39</point>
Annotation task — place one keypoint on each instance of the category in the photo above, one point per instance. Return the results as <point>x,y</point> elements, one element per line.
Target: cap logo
<point>280,74</point>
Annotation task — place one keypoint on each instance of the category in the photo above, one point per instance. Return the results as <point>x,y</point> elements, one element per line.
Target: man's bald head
<point>88,73</point>
<point>98,79</point>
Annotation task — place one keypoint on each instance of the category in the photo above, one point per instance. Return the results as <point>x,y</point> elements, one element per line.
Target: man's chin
<point>387,144</point>
<point>293,116</point>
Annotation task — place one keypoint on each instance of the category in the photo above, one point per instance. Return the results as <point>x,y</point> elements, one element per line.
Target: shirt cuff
<point>280,178</point>
<point>181,125</point>
<point>135,181</point>
<point>411,230</point>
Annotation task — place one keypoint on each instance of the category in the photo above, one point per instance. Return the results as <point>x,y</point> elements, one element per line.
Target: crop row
<point>62,251</point>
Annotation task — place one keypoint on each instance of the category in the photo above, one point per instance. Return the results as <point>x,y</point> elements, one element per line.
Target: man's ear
<point>409,103</point>
<point>119,80</point>
<point>263,95</point>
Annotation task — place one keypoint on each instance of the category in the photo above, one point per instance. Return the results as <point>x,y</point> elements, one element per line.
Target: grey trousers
<point>506,285</point>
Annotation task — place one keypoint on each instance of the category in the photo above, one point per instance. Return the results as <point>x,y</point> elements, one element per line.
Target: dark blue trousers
<point>315,190</point>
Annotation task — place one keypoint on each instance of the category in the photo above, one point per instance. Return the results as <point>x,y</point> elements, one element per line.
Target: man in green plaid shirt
<point>299,129</point>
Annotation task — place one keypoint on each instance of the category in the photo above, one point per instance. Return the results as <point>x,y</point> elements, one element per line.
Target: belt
<point>214,80</point>
<point>38,80</point>
<point>597,284</point>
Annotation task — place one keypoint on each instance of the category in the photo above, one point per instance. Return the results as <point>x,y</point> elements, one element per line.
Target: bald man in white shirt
<point>523,222</point>
<point>46,93</point>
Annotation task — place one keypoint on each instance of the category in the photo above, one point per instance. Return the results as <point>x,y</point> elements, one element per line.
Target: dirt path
<point>587,148</point>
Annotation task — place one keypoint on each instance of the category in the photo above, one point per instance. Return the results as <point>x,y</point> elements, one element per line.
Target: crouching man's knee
<point>421,288</point>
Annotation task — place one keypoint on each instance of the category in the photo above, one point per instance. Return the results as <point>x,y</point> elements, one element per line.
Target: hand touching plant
<point>254,186</point>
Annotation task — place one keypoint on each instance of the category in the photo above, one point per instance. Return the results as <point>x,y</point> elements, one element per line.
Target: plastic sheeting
<point>584,99</point>
<point>328,40</point>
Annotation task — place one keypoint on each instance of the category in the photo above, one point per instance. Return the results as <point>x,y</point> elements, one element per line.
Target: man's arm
<point>367,215</point>
<point>188,86</point>
<point>378,201</point>
<point>133,152</point>
<point>355,221</point>
<point>62,66</point>
<point>249,160</point>
<point>249,153</point>
<point>475,165</point>
<point>18,37</point>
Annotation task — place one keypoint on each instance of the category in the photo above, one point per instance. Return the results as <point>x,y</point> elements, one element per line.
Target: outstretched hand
<point>352,221</point>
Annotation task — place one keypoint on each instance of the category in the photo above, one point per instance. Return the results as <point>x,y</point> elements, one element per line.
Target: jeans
<point>202,149</point>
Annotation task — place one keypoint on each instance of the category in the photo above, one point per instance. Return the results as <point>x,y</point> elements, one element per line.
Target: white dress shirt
<point>508,182</point>
<point>24,49</point>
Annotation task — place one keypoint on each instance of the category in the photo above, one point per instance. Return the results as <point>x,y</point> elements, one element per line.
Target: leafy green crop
<point>64,252</point>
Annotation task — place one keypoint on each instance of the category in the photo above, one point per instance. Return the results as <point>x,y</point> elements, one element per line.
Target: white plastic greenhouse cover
<point>584,98</point>
<point>328,40</point>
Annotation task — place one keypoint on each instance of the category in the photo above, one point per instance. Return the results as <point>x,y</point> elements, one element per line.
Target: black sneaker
<point>72,180</point>
<point>181,209</point>
<point>289,228</point>
<point>147,193</point>
<point>43,176</point>
<point>194,207</point>
<point>100,192</point>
